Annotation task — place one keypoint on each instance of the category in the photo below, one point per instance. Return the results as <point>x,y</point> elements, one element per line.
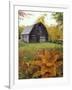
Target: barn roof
<point>27,30</point>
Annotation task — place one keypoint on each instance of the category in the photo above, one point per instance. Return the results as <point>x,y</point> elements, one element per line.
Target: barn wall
<point>39,33</point>
<point>25,38</point>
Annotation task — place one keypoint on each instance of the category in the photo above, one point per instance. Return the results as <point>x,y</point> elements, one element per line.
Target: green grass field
<point>37,46</point>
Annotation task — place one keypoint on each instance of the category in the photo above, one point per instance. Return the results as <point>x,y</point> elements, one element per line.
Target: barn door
<point>38,38</point>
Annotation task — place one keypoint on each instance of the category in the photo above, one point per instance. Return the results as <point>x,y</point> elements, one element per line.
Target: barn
<point>35,33</point>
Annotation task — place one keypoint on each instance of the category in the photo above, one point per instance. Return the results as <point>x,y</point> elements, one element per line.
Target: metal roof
<point>27,30</point>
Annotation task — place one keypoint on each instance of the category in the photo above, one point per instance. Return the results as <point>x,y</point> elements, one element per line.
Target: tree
<point>41,19</point>
<point>21,28</point>
<point>54,33</point>
<point>59,17</point>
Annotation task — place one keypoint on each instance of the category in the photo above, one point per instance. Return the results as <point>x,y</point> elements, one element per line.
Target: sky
<point>28,18</point>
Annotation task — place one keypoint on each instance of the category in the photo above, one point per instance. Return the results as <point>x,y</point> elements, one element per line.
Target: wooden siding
<point>38,33</point>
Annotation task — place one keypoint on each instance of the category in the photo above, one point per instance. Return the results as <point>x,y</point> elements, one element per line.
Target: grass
<point>27,51</point>
<point>36,46</point>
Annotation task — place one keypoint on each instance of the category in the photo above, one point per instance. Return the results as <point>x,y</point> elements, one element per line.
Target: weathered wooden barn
<point>35,33</point>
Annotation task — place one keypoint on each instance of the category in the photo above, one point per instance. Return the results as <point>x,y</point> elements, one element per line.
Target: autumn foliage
<point>46,63</point>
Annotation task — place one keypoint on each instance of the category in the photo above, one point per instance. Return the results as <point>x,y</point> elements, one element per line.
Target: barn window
<point>40,29</point>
